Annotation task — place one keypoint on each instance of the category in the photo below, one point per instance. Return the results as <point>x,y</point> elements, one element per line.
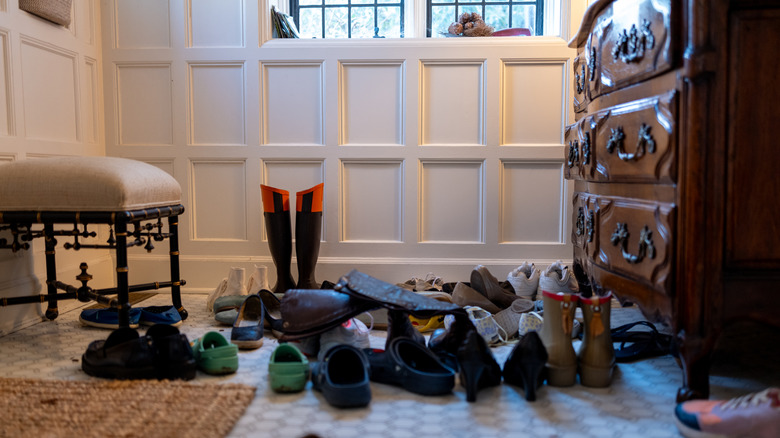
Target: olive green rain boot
<point>308,233</point>
<point>558,322</point>
<point>276,212</point>
<point>596,356</point>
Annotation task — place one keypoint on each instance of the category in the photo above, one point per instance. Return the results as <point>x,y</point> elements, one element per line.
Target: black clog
<point>124,355</point>
<point>412,366</point>
<point>343,377</point>
<point>173,354</point>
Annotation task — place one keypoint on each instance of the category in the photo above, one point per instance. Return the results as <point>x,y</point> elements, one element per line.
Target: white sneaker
<point>524,280</point>
<point>258,280</point>
<point>558,278</point>
<point>232,285</point>
<point>353,332</point>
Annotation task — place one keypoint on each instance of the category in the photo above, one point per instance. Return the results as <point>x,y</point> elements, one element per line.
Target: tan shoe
<point>559,311</point>
<point>464,295</point>
<point>596,356</point>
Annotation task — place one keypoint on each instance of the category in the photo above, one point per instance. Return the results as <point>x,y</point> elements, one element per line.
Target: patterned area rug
<point>137,408</point>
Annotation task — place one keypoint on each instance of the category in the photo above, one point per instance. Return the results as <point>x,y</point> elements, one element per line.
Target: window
<point>387,18</point>
<point>501,14</point>
<point>349,18</point>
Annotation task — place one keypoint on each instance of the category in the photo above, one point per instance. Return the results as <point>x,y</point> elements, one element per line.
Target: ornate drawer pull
<point>590,226</point>
<point>631,45</point>
<point>592,64</point>
<point>580,222</point>
<point>646,247</point>
<point>586,149</point>
<point>579,79</point>
<point>645,142</point>
<point>574,153</point>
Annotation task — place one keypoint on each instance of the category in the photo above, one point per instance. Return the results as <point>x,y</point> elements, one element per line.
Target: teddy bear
<point>470,24</point>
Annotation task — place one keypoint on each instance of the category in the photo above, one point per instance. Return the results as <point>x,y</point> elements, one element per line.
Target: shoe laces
<point>770,395</point>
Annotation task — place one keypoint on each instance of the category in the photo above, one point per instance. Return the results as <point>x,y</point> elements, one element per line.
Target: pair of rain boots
<point>308,231</point>
<point>595,359</point>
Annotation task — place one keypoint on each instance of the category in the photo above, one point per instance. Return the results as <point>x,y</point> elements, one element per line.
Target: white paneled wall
<point>436,155</point>
<point>51,104</point>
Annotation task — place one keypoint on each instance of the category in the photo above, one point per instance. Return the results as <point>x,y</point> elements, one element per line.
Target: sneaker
<point>524,280</point>
<point>108,318</point>
<point>352,332</point>
<point>485,324</point>
<point>558,278</point>
<point>431,282</point>
<point>166,315</point>
<point>755,415</point>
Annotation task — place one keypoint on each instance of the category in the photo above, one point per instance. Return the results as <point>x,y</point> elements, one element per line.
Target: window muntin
<point>349,18</point>
<point>501,14</point>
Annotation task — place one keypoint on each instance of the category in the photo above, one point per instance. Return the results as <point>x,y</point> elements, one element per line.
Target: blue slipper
<point>152,315</point>
<point>108,317</point>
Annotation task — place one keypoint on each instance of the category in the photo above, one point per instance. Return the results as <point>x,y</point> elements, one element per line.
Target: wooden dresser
<point>673,154</point>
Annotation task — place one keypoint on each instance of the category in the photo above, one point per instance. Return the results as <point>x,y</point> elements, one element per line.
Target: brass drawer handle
<point>646,246</point>
<point>590,226</point>
<point>574,153</point>
<point>631,45</point>
<point>580,222</point>
<point>645,142</point>
<point>586,149</point>
<point>592,64</point>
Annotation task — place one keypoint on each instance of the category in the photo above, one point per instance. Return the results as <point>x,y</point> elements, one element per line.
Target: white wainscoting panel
<point>215,23</point>
<point>293,103</point>
<point>293,176</point>
<point>6,88</point>
<point>141,24</point>
<point>372,201</point>
<point>452,201</point>
<point>218,199</point>
<point>91,83</point>
<point>216,97</point>
<point>144,104</point>
<point>530,202</point>
<point>50,89</point>
<point>84,20</point>
<point>534,108</point>
<point>380,119</point>
<point>452,95</point>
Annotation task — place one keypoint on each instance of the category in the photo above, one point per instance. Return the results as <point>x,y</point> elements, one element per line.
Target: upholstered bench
<point>128,195</point>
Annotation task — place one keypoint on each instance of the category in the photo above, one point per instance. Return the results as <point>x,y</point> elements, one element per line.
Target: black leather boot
<point>276,211</point>
<point>308,233</point>
<point>399,325</point>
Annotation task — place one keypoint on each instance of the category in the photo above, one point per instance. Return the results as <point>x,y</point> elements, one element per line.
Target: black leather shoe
<point>247,332</point>
<point>343,377</point>
<point>412,366</point>
<point>399,325</point>
<point>525,365</point>
<point>124,355</point>
<point>173,355</point>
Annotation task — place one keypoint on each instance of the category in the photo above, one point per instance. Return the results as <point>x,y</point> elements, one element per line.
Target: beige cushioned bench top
<point>85,184</point>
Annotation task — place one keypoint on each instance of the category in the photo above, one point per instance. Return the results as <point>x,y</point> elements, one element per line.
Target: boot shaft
<point>596,354</point>
<point>308,233</point>
<point>276,212</point>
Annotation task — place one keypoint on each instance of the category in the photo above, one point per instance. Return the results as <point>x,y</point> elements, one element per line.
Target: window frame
<point>295,8</point>
<point>459,3</point>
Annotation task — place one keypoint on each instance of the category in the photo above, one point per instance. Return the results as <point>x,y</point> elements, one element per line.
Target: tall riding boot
<point>308,232</point>
<point>276,210</point>
<point>596,355</point>
<point>559,311</point>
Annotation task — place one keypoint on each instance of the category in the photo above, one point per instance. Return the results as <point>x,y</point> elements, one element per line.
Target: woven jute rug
<point>134,408</point>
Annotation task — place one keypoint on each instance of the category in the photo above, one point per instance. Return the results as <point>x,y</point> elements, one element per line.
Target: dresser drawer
<point>633,238</point>
<point>630,41</point>
<point>634,142</point>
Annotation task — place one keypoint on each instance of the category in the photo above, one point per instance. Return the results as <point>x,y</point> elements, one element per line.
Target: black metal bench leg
<point>52,310</point>
<point>122,283</point>
<point>176,283</point>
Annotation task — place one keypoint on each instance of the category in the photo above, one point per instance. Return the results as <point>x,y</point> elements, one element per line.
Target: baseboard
<point>202,274</point>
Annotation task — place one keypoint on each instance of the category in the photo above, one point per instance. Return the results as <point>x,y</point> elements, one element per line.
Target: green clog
<point>215,355</point>
<point>288,369</point>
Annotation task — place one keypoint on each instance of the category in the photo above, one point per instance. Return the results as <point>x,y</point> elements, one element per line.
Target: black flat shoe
<point>525,365</point>
<point>247,332</point>
<point>343,377</point>
<point>412,366</point>
<point>124,355</point>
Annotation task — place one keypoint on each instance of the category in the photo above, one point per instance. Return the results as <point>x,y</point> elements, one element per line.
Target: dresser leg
<point>696,357</point>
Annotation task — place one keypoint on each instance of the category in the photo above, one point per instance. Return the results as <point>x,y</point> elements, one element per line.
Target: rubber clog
<point>288,369</point>
<point>343,377</point>
<point>215,355</point>
<point>173,355</point>
<point>411,366</point>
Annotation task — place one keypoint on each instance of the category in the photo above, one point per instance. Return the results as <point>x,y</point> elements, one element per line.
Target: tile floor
<point>639,403</point>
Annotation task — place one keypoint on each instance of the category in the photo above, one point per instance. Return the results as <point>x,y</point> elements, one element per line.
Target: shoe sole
<point>118,372</point>
<point>248,345</point>
<point>151,323</point>
<point>104,325</point>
